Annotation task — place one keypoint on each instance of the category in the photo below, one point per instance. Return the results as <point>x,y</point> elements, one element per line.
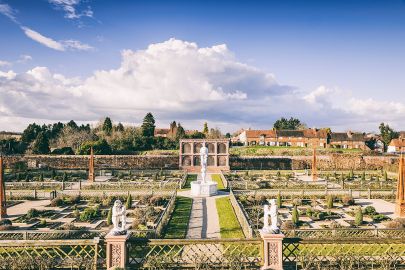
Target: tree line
<point>106,138</point>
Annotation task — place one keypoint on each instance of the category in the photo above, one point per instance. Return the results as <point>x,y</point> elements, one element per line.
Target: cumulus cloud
<point>178,80</point>
<point>53,44</point>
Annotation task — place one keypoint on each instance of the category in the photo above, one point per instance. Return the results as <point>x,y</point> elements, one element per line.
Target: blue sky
<point>331,63</point>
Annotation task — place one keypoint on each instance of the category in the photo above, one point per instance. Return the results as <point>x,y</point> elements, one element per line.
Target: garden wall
<point>327,162</point>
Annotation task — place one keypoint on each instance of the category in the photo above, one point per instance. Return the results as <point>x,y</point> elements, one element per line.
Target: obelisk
<point>400,198</point>
<point>3,206</point>
<point>91,166</point>
<point>314,172</point>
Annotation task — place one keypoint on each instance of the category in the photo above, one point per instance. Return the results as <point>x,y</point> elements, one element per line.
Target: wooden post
<point>92,176</point>
<point>400,198</point>
<point>117,253</point>
<point>3,202</point>
<point>273,251</point>
<point>314,172</point>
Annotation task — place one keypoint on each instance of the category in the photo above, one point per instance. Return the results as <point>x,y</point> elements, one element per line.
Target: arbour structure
<point>218,154</point>
<point>400,198</point>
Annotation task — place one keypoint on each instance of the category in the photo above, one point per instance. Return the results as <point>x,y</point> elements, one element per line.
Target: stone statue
<point>271,211</point>
<point>119,213</point>
<point>204,159</point>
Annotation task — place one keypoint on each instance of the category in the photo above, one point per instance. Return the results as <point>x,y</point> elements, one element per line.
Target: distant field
<point>285,151</point>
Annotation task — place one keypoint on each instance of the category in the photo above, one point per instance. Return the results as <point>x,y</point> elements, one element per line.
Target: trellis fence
<point>52,254</point>
<point>308,193</point>
<point>196,254</point>
<point>343,254</point>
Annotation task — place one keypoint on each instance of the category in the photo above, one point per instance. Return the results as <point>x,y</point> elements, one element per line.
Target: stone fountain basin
<point>203,189</point>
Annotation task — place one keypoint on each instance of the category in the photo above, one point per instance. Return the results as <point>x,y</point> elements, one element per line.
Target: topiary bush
<point>295,216</point>
<point>348,200</point>
<point>359,217</point>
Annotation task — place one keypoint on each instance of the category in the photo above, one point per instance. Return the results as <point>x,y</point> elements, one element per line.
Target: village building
<point>295,138</point>
<point>348,140</point>
<point>396,145</point>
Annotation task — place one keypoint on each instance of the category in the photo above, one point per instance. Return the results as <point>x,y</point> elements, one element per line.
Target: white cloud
<point>178,80</point>
<point>8,11</point>
<point>4,63</point>
<point>56,45</point>
<point>70,8</point>
<point>24,58</point>
<point>48,42</point>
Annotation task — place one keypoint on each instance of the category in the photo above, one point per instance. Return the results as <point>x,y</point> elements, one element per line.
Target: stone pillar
<point>3,205</point>
<point>181,155</point>
<point>117,253</point>
<point>272,251</point>
<point>92,176</point>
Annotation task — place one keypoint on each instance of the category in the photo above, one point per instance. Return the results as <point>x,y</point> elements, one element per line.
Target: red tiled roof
<point>397,142</point>
<point>257,133</point>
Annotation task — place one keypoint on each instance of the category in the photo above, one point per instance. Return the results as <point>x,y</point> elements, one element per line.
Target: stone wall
<point>330,162</point>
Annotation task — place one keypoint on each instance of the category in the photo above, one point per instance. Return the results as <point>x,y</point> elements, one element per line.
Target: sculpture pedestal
<point>116,250</point>
<point>203,189</point>
<point>273,251</point>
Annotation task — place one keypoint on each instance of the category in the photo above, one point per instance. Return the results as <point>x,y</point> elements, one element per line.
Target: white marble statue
<point>204,159</point>
<point>119,213</point>
<point>271,211</point>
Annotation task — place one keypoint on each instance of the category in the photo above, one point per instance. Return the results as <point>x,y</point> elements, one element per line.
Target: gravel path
<point>204,221</point>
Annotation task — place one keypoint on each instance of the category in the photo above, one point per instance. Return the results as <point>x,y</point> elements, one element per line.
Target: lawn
<point>261,150</point>
<point>189,179</point>
<point>217,178</point>
<point>228,223</point>
<point>178,223</point>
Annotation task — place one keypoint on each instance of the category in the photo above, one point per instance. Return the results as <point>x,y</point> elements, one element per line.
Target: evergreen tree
<point>181,133</point>
<point>120,127</point>
<point>279,201</point>
<point>109,217</point>
<point>41,144</point>
<point>329,202</point>
<point>128,203</point>
<point>107,126</point>
<point>64,177</point>
<point>148,125</point>
<point>359,217</point>
<point>205,129</point>
<point>385,176</point>
<point>295,216</point>
<point>41,177</point>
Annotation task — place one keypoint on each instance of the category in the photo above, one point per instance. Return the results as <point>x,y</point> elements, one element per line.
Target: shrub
<point>334,225</point>
<point>370,211</point>
<point>5,224</point>
<point>263,184</point>
<point>329,202</point>
<point>287,225</point>
<point>296,201</point>
<point>379,217</point>
<point>156,200</point>
<point>359,217</point>
<point>57,202</point>
<point>261,199</point>
<point>309,212</point>
<point>90,213</point>
<point>106,201</point>
<point>348,200</point>
<point>42,222</point>
<point>32,213</point>
<point>295,216</point>
<point>394,224</point>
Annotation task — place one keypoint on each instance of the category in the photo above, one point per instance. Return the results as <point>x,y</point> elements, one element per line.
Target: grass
<point>228,223</point>
<point>217,178</point>
<point>189,179</point>
<point>260,150</point>
<point>178,223</point>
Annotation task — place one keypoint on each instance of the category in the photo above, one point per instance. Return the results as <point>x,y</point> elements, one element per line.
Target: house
<point>296,138</point>
<point>396,145</point>
<point>348,140</point>
<point>161,132</point>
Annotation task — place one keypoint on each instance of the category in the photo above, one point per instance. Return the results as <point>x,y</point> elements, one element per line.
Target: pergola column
<point>3,206</point>
<point>92,176</point>
<point>400,197</point>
